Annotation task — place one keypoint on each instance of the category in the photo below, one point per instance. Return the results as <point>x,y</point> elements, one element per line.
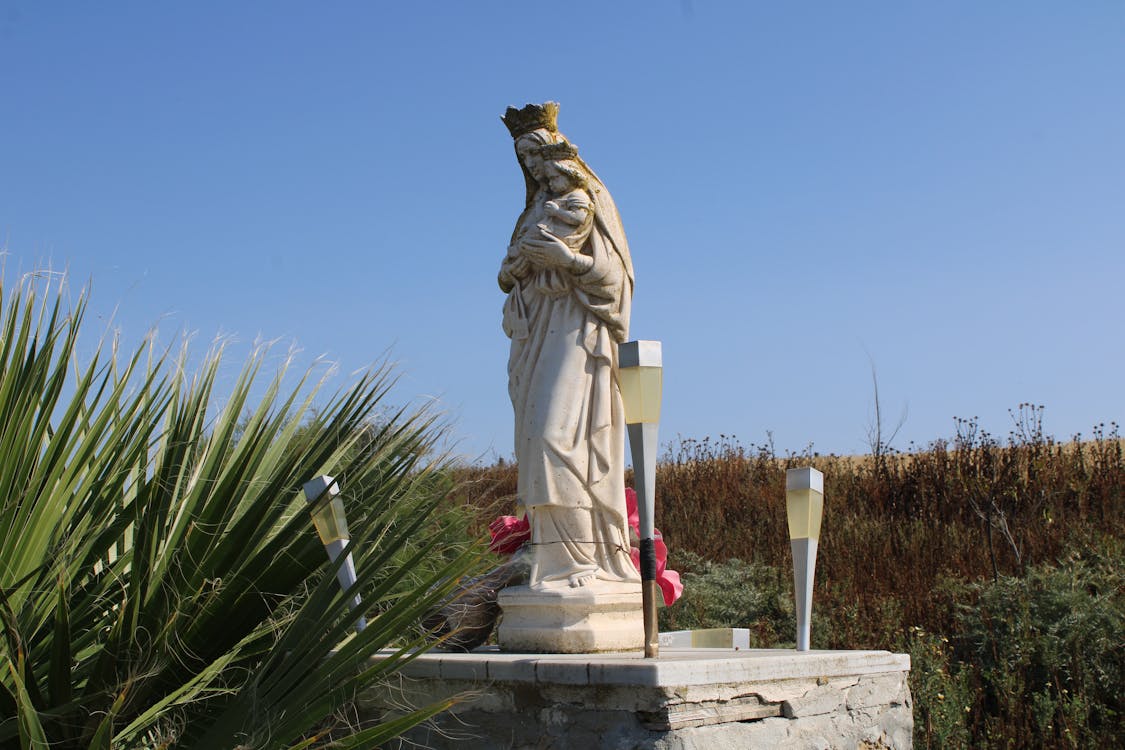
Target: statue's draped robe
<point>569,419</point>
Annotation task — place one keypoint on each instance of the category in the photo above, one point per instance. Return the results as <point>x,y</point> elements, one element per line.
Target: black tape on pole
<point>648,560</point>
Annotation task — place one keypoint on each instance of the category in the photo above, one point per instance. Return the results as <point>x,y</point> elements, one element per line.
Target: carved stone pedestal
<point>571,621</point>
<point>687,699</point>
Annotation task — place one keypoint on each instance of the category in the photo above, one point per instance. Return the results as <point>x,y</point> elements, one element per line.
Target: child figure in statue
<point>569,212</point>
<point>568,215</point>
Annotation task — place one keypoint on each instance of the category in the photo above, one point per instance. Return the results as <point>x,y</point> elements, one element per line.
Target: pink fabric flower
<point>670,585</point>
<point>632,511</point>
<point>668,580</point>
<point>508,534</point>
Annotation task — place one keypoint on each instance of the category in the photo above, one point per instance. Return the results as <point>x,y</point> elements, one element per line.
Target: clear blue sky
<point>940,186</point>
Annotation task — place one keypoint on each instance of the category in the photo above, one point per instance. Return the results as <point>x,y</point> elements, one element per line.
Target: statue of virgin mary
<point>567,309</point>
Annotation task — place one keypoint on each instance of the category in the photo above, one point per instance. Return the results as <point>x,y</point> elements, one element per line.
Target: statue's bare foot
<point>583,578</point>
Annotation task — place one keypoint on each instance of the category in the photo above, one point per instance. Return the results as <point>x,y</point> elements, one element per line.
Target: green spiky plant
<point>160,581</point>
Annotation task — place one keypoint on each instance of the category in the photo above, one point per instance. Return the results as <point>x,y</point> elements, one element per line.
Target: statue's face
<point>528,149</point>
<point>557,180</point>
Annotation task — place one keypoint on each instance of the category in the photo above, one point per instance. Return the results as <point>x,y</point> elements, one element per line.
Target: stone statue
<point>569,281</point>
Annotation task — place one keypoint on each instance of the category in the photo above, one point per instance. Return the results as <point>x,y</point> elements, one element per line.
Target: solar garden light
<point>332,527</point>
<point>804,500</point>
<point>641,377</point>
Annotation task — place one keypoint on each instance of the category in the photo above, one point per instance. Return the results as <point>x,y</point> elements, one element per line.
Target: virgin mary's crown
<point>531,117</point>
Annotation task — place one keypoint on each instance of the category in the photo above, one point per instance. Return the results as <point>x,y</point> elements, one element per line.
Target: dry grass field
<point>999,565</point>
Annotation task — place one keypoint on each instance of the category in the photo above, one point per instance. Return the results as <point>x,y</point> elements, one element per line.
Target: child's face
<point>557,180</point>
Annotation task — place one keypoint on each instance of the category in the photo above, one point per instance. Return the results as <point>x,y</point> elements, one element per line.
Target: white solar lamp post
<point>640,374</point>
<point>804,500</point>
<point>332,527</point>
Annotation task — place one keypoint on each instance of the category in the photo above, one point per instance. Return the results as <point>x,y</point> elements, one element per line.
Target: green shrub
<point>732,594</point>
<point>941,691</point>
<point>1046,652</point>
<point>160,581</point>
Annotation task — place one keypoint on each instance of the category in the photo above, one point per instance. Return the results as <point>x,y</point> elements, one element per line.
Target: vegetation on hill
<point>161,584</point>
<point>999,566</point>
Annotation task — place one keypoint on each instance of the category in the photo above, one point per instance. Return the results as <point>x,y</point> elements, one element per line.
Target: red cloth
<point>668,580</point>
<point>510,533</point>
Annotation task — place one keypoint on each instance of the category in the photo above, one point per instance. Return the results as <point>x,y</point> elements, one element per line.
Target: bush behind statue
<point>1038,660</point>
<point>1046,651</point>
<point>733,593</point>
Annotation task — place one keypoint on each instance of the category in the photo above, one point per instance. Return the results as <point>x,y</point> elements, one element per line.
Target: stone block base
<point>571,621</point>
<point>687,699</point>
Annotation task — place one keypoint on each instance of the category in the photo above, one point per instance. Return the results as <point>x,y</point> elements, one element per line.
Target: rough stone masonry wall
<point>861,711</point>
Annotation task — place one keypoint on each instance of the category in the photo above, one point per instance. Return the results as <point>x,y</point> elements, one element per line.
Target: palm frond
<point>160,581</point>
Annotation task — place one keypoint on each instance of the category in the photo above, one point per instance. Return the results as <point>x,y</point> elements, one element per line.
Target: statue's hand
<point>548,250</point>
<point>513,269</point>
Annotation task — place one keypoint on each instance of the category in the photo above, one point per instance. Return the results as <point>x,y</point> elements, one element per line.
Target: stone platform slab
<point>687,699</point>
